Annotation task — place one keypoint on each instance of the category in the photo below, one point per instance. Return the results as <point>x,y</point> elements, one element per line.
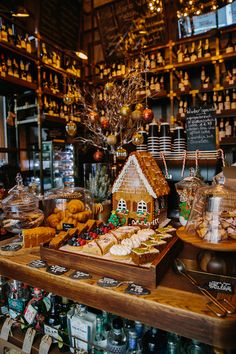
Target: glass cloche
<point>213,214</point>
<point>186,189</point>
<point>21,209</point>
<point>67,207</point>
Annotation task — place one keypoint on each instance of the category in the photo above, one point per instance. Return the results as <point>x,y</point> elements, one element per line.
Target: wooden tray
<point>108,268</point>
<point>226,246</point>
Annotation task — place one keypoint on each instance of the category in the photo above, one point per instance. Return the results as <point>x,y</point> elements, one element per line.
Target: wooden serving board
<point>143,275</point>
<point>224,246</point>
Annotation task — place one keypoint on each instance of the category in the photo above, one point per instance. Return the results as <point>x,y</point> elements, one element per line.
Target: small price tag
<point>37,263</point>
<point>57,269</point>
<point>12,247</point>
<point>220,286</point>
<point>45,344</point>
<point>80,275</point>
<point>6,328</point>
<point>136,289</point>
<point>67,226</point>
<point>30,314</point>
<point>28,340</point>
<point>108,282</point>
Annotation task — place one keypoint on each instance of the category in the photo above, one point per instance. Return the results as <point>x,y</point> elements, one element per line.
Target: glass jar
<point>21,209</point>
<point>186,190</point>
<point>67,207</point>
<point>213,215</point>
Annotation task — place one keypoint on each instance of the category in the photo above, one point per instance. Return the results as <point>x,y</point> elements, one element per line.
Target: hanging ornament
<point>137,115</point>
<point>148,115</point>
<point>93,116</point>
<point>121,153</point>
<point>125,111</point>
<point>109,87</point>
<point>139,107</point>
<point>137,138</point>
<point>98,155</point>
<point>104,122</point>
<point>111,139</point>
<point>68,98</point>
<point>71,128</point>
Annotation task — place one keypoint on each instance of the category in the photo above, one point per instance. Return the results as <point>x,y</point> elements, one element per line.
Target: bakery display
<point>21,209</point>
<point>213,215</point>
<point>68,206</point>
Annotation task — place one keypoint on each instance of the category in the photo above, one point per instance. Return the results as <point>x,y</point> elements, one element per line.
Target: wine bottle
<point>193,55</point>
<point>116,341</point>
<point>180,54</point>
<point>153,61</point>
<point>52,321</point>
<point>4,36</point>
<point>222,129</point>
<point>28,44</point>
<point>227,103</point>
<point>220,104</point>
<point>199,50</point>
<point>233,102</point>
<point>9,66</point>
<point>206,51</point>
<point>229,46</point>
<point>203,76</point>
<point>44,54</point>
<point>186,54</point>
<point>228,128</point>
<point>15,68</point>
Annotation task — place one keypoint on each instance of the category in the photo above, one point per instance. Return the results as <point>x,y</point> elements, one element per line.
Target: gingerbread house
<point>140,190</point>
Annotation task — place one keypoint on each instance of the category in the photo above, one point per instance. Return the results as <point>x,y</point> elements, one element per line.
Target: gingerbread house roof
<point>148,171</point>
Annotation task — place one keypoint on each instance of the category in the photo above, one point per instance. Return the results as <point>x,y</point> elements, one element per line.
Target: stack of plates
<point>143,146</point>
<point>153,143</point>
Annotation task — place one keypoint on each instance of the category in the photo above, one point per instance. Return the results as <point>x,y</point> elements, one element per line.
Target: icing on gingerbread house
<point>140,190</point>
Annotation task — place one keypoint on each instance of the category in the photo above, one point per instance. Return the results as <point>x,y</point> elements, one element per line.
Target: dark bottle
<point>206,49</point>
<point>44,80</point>
<point>173,344</point>
<point>52,321</point>
<point>229,46</point>
<point>100,341</point>
<point>63,338</point>
<point>133,343</point>
<point>116,341</point>
<point>17,298</point>
<point>150,341</point>
<point>36,310</point>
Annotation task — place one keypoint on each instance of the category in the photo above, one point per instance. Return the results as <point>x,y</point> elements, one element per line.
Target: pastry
<point>105,242</point>
<point>34,237</point>
<point>59,240</point>
<point>120,252</point>
<point>119,234</point>
<point>142,255</point>
<point>53,220</point>
<point>75,206</point>
<point>90,223</point>
<point>159,244</point>
<point>92,248</point>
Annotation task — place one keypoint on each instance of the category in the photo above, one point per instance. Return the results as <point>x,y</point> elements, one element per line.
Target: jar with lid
<point>67,207</point>
<point>21,209</point>
<point>186,189</point>
<point>213,215</point>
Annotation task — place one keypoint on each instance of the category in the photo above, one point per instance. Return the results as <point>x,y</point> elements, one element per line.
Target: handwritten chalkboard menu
<point>118,23</point>
<point>200,128</point>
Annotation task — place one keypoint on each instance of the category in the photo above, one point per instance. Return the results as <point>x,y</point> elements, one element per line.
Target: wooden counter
<point>175,305</point>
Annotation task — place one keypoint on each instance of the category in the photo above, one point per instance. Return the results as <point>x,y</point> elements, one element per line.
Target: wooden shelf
<point>14,84</point>
<point>46,91</point>
<point>18,51</point>
<point>175,305</point>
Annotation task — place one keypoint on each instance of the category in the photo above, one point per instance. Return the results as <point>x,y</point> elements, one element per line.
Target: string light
<point>197,7</point>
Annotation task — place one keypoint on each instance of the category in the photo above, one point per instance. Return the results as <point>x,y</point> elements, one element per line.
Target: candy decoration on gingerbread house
<point>140,191</point>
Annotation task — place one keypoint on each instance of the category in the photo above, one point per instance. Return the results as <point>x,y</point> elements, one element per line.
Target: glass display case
<point>58,164</point>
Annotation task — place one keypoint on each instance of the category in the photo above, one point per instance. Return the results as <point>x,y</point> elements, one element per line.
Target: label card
<point>6,328</point>
<point>80,275</point>
<point>12,247</point>
<point>57,269</point>
<point>66,226</point>
<point>219,286</point>
<point>136,289</point>
<point>28,340</point>
<point>45,344</point>
<point>108,282</point>
<point>30,314</point>
<point>37,263</point>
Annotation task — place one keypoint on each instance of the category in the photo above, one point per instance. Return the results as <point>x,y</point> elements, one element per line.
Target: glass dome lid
<point>213,214</point>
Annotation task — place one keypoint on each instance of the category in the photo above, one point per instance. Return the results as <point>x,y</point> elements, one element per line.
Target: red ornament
<point>98,155</point>
<point>104,122</point>
<point>148,115</point>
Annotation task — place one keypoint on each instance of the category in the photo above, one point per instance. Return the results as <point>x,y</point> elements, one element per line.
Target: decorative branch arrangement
<point>113,120</point>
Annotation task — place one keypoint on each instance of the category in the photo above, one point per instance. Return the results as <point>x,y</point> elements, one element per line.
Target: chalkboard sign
<point>200,128</point>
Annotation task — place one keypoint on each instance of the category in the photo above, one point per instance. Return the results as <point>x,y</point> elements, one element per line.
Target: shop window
<point>121,205</point>
<point>142,206</point>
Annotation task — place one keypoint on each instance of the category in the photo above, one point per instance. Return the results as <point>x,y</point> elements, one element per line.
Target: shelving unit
<point>17,84</point>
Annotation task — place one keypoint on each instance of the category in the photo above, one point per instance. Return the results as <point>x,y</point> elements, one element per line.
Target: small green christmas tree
<point>113,219</point>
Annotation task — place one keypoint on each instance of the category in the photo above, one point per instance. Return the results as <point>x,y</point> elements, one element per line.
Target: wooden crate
<point>149,277</point>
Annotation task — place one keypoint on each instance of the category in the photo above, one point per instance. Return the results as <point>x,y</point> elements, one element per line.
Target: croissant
<point>53,220</point>
<point>75,205</point>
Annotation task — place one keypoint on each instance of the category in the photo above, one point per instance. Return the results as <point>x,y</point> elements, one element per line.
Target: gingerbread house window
<point>142,206</point>
<point>121,204</point>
